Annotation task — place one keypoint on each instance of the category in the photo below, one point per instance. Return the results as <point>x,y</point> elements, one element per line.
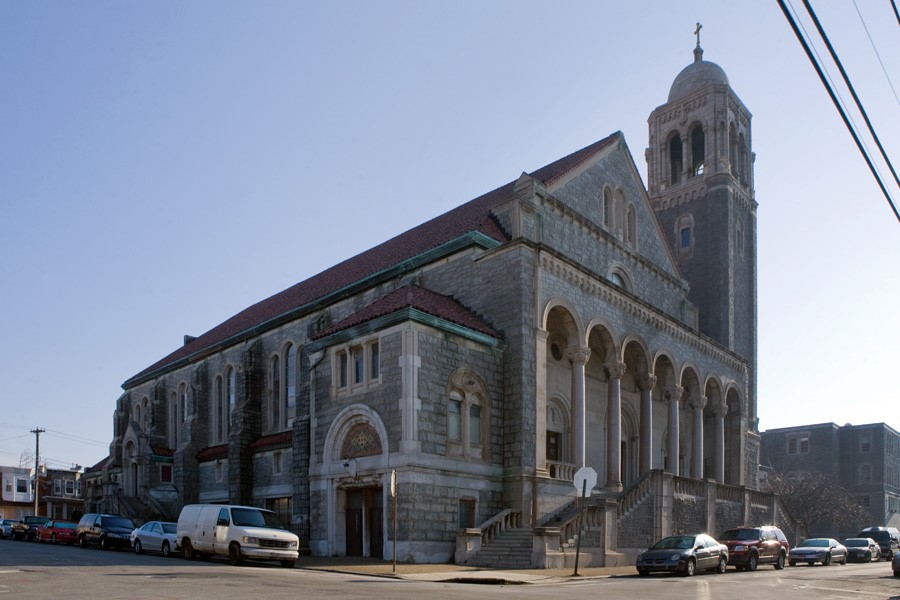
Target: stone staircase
<point>508,550</point>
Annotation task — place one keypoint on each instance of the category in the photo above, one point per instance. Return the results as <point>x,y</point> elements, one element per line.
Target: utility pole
<point>37,431</point>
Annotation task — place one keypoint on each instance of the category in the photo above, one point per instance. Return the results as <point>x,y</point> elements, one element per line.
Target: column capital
<point>579,355</point>
<point>698,402</point>
<point>646,381</point>
<point>674,393</point>
<point>614,369</point>
<point>718,409</point>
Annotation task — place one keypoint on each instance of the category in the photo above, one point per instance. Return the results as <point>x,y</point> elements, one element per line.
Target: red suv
<point>749,547</point>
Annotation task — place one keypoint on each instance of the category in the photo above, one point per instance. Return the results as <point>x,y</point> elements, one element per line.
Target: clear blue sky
<point>165,164</point>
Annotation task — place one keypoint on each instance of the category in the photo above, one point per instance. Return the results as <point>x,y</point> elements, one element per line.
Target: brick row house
<point>569,318</point>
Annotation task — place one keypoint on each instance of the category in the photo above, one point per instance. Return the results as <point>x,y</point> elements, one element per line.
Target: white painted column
<point>614,371</point>
<point>646,383</point>
<point>720,410</point>
<point>673,447</point>
<point>579,358</point>
<point>697,404</point>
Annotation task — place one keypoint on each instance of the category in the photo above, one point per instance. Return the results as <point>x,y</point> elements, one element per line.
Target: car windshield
<point>168,527</point>
<point>857,543</point>
<point>252,517</point>
<point>118,522</point>
<point>817,543</point>
<point>678,542</point>
<point>740,534</point>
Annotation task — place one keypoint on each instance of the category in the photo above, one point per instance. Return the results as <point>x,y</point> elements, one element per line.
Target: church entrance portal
<point>365,522</point>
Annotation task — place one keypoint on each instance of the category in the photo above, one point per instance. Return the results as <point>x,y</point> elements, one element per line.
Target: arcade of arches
<point>625,409</point>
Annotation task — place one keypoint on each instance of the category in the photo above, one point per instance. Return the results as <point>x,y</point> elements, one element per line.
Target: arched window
<point>630,225</point>
<point>738,238</point>
<point>742,160</point>
<point>676,160</point>
<point>218,420</point>
<point>698,150</point>
<point>619,215</point>
<point>684,234</point>
<point>468,416</point>
<point>290,384</point>
<point>607,207</point>
<point>137,413</point>
<point>231,397</point>
<point>274,417</point>
<point>557,446</point>
<point>733,154</point>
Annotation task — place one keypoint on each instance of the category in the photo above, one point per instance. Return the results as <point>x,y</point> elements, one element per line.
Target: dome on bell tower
<point>696,76</point>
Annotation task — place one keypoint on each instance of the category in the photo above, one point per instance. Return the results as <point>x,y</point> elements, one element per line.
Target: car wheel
<point>187,549</point>
<point>827,560</point>
<point>844,560</point>
<point>166,549</point>
<point>82,541</point>
<point>287,564</point>
<point>752,562</point>
<point>896,573</point>
<point>235,557</point>
<point>723,563</point>
<point>779,563</point>
<point>104,544</point>
<point>138,547</point>
<point>793,563</point>
<point>810,562</point>
<point>53,539</point>
<point>646,573</point>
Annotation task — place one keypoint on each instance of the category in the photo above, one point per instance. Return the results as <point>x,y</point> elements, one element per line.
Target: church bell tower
<point>700,180</point>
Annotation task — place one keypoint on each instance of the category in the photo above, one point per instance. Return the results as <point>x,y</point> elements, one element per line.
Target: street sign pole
<point>394,494</point>
<point>580,524</point>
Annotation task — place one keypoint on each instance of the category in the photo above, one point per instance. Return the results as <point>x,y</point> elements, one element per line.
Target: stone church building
<point>571,317</point>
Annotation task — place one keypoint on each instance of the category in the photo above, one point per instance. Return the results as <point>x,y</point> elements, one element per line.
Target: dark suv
<point>888,539</point>
<point>106,531</point>
<point>749,547</point>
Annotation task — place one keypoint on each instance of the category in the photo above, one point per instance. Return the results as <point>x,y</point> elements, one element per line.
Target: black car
<point>684,554</point>
<point>106,531</point>
<point>27,527</point>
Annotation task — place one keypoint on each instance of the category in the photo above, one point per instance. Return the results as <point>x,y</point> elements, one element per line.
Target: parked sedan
<point>57,532</point>
<point>822,550</point>
<point>862,549</point>
<point>6,528</point>
<point>684,554</point>
<point>157,536</point>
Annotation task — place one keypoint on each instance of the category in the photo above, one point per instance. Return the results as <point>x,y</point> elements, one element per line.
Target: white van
<point>237,532</point>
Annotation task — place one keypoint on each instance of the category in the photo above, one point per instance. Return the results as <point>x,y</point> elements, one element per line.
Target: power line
<point>846,78</point>
<point>875,49</point>
<point>838,106</point>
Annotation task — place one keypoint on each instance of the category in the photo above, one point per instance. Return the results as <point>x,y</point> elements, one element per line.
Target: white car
<point>156,536</point>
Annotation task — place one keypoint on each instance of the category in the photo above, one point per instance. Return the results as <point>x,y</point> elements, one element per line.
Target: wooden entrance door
<point>354,522</point>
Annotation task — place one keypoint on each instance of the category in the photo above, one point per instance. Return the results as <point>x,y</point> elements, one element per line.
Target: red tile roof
<point>473,216</point>
<point>213,453</point>
<point>283,439</point>
<point>413,296</point>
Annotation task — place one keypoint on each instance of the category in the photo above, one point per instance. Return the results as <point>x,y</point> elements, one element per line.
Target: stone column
<point>720,410</point>
<point>579,358</point>
<point>673,449</point>
<point>410,404</point>
<point>645,384</point>
<point>614,372</point>
<point>697,404</point>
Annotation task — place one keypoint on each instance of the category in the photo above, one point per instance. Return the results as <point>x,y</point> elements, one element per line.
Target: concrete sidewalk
<point>456,573</point>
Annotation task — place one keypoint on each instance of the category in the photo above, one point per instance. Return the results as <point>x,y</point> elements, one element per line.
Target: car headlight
<point>740,548</point>
<point>292,544</point>
<point>251,540</point>
<point>675,558</point>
